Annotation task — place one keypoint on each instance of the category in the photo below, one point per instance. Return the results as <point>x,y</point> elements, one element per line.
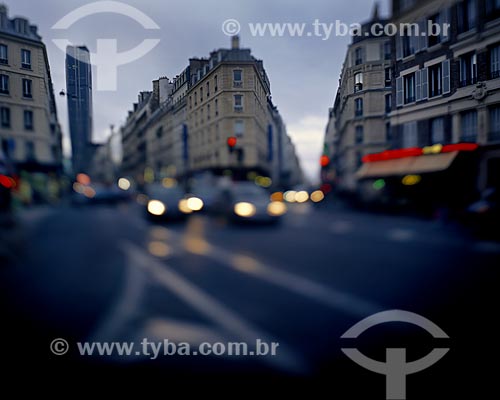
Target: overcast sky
<point>304,72</point>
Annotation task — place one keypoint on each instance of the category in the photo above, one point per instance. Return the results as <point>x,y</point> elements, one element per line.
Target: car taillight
<point>7,181</point>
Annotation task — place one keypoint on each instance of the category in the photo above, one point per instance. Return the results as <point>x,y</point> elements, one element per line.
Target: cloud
<point>303,71</point>
<point>308,134</point>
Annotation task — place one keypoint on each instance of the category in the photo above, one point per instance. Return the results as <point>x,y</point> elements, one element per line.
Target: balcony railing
<point>410,99</point>
<point>468,81</point>
<point>434,93</point>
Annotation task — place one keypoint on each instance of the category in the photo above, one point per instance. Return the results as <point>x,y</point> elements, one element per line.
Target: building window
<point>208,112</point>
<point>388,77</point>
<point>358,105</point>
<point>358,56</point>
<point>55,152</point>
<point>7,146</point>
<point>208,89</point>
<point>358,82</point>
<point>4,84</point>
<point>4,54</point>
<point>492,9</point>
<point>469,126</point>
<point>5,117</point>
<point>190,102</point>
<point>388,103</point>
<point>494,134</point>
<point>387,50</point>
<point>359,134</point>
<point>27,88</point>
<point>388,132</point>
<point>406,4</point>
<point>410,135</point>
<point>216,107</point>
<point>201,94</point>
<point>436,21</point>
<point>30,150</point>
<point>28,120</point>
<point>495,62</point>
<point>435,80</point>
<point>25,59</point>
<point>238,102</point>
<point>159,132</point>
<point>409,88</point>
<point>215,83</point>
<point>237,78</point>
<point>437,131</point>
<point>239,128</point>
<point>409,34</point>
<point>468,69</point>
<point>466,15</point>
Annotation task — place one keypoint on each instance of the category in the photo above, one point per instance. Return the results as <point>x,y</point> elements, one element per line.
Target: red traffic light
<point>231,141</point>
<point>324,161</point>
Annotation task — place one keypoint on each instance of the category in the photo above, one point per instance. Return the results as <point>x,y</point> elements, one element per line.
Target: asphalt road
<point>103,274</point>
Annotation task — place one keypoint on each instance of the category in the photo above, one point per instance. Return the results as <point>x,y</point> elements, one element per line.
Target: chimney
<point>235,42</point>
<point>3,16</point>
<point>376,12</point>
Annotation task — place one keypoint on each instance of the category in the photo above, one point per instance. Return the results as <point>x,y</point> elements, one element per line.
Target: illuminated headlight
<point>195,204</point>
<point>156,207</point>
<point>184,207</point>
<point>246,210</point>
<point>276,208</point>
<point>301,197</point>
<point>124,184</point>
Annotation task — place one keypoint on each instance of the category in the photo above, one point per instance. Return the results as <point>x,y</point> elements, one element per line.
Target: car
<point>484,214</point>
<point>97,193</point>
<point>166,203</point>
<point>247,202</point>
<point>206,197</point>
<point>7,183</point>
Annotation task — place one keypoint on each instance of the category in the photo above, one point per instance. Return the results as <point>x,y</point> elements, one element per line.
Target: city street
<point>102,274</point>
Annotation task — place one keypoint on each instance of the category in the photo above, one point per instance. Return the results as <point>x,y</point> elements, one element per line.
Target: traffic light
<point>324,161</point>
<point>231,143</point>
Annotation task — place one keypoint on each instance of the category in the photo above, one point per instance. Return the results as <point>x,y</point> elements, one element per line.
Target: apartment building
<point>358,122</point>
<point>216,117</point>
<point>446,100</point>
<point>228,98</point>
<point>30,134</point>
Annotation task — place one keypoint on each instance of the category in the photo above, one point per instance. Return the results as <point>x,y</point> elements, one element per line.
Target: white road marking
<point>341,227</point>
<point>123,310</point>
<point>212,308</point>
<point>401,235</point>
<point>181,331</point>
<point>278,276</point>
<point>297,284</point>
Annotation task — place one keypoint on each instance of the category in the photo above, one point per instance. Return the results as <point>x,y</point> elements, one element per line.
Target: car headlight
<point>156,207</point>
<point>276,208</point>
<point>244,209</point>
<point>195,203</point>
<point>184,207</point>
